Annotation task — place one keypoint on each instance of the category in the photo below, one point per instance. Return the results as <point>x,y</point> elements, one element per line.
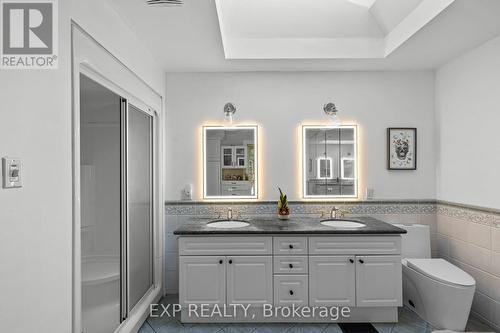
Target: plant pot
<point>284,214</point>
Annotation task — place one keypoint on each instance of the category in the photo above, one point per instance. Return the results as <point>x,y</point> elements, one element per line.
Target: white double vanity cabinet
<point>359,271</point>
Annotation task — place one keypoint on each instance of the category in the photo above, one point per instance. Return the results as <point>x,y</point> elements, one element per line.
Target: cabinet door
<point>227,157</point>
<point>202,280</point>
<point>240,156</point>
<point>332,281</point>
<point>249,280</point>
<point>378,281</point>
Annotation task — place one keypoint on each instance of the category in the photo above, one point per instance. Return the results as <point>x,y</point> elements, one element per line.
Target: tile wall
<point>470,239</point>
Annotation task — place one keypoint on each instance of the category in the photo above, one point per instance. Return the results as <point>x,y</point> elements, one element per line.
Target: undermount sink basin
<point>227,224</point>
<point>342,224</point>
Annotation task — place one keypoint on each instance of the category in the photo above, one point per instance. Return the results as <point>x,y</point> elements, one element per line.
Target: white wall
<point>281,102</point>
<point>468,119</point>
<point>36,220</point>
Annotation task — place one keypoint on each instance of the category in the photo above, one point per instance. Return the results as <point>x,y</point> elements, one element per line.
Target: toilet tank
<point>416,243</point>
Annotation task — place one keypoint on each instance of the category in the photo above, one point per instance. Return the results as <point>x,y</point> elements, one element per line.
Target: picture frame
<point>401,148</point>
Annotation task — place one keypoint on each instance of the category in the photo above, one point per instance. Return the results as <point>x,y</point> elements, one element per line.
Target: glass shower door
<point>140,203</point>
<point>101,217</point>
<point>116,200</point>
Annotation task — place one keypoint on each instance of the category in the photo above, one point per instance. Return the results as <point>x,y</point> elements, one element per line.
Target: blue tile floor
<point>408,323</point>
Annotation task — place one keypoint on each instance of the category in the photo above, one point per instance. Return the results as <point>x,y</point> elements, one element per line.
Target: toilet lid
<point>441,270</point>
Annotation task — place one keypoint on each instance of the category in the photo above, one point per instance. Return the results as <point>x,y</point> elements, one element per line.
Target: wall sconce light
<point>229,111</point>
<point>331,110</point>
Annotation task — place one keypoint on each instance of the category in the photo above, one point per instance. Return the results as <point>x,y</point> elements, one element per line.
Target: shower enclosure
<point>116,205</point>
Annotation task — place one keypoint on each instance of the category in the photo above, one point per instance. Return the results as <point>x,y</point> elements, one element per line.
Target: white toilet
<point>439,292</point>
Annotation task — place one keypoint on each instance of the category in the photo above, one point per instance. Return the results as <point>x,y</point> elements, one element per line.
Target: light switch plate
<point>11,172</point>
<point>369,193</point>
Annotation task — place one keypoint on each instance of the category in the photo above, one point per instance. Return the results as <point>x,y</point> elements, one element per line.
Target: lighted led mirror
<point>329,162</point>
<point>230,162</point>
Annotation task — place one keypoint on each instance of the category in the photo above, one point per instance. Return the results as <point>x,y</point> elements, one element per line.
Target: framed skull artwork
<point>401,148</point>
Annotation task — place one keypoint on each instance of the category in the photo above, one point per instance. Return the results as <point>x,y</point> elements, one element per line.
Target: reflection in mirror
<point>329,161</point>
<point>324,169</point>
<point>347,168</point>
<point>230,162</point>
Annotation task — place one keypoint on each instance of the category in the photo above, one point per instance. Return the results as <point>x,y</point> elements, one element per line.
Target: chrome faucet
<point>230,214</point>
<point>335,213</point>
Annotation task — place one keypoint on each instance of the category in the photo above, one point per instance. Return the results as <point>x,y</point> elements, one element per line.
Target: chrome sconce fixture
<point>331,110</point>
<point>229,111</point>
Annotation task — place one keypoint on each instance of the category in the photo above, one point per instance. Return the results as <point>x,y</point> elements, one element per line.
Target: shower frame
<point>83,67</point>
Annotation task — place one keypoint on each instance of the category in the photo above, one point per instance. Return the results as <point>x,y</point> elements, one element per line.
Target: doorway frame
<point>80,65</point>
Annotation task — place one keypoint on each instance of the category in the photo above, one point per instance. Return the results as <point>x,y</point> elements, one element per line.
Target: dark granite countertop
<point>295,225</point>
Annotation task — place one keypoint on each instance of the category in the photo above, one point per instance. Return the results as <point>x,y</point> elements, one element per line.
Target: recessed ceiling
<point>269,19</point>
<point>321,29</point>
<point>310,35</point>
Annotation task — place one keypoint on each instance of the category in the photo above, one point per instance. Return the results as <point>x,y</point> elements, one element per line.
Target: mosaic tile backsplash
<point>467,236</point>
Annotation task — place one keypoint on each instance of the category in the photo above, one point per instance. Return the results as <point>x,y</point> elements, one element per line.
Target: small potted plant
<point>283,209</point>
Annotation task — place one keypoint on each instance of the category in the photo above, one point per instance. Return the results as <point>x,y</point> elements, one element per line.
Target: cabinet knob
<point>361,261</point>
<point>230,261</point>
<point>290,265</point>
<point>290,246</point>
<point>291,292</point>
<point>220,261</point>
<point>351,261</point>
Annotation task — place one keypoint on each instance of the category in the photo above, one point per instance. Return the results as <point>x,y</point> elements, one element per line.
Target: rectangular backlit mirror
<point>230,162</point>
<point>329,162</point>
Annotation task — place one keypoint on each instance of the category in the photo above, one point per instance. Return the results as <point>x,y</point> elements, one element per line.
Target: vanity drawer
<point>289,245</point>
<point>355,245</point>
<point>235,192</point>
<point>291,289</point>
<point>291,265</point>
<point>237,185</point>
<point>190,246</point>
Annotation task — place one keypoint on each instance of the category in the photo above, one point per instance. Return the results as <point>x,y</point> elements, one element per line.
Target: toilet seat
<point>441,270</point>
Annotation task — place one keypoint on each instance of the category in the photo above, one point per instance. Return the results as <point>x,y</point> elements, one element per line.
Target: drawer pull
<point>291,292</point>
<point>351,261</point>
<point>230,261</point>
<point>361,261</point>
<point>290,246</point>
<point>220,261</point>
<point>291,266</point>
